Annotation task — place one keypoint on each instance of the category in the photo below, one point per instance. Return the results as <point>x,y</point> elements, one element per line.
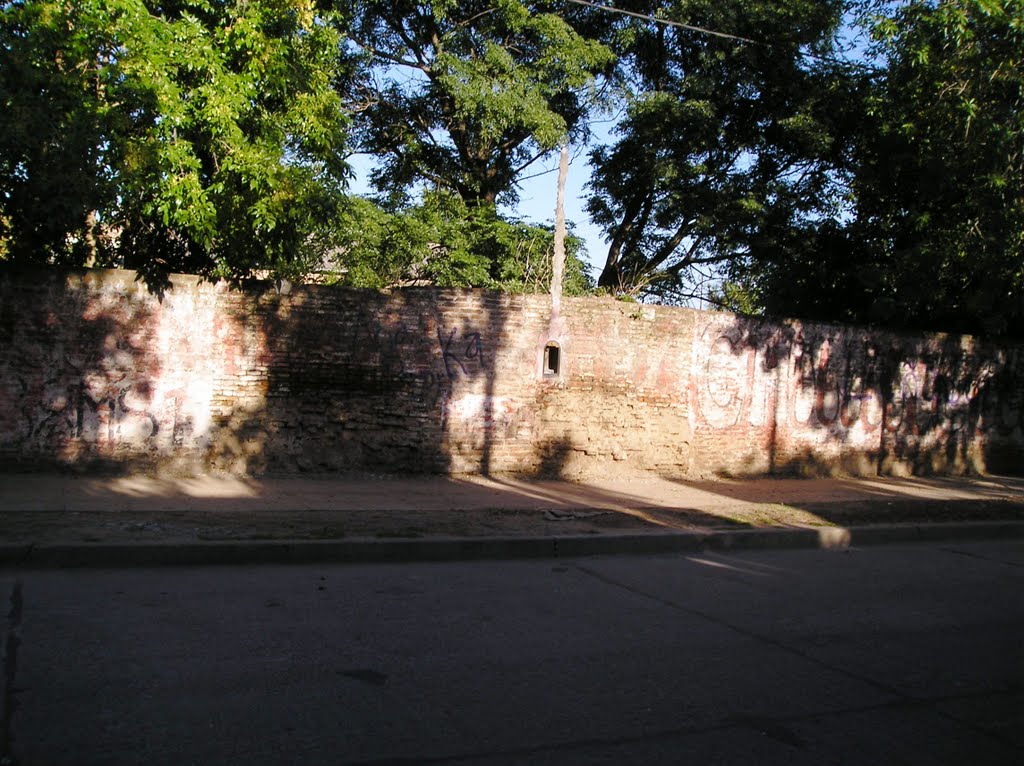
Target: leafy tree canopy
<point>184,135</point>
<point>720,137</point>
<point>940,184</point>
<point>211,137</point>
<point>467,95</point>
<point>444,241</point>
<point>933,236</point>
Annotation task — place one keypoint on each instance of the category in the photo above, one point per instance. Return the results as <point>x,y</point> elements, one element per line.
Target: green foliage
<point>443,241</point>
<point>933,236</point>
<point>211,137</point>
<point>182,135</point>
<point>722,144</point>
<point>50,157</point>
<point>469,94</point>
<point>940,187</point>
<point>466,96</point>
<point>735,297</point>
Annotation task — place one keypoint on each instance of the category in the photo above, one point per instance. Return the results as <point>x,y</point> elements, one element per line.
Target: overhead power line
<point>713,32</point>
<point>666,22</point>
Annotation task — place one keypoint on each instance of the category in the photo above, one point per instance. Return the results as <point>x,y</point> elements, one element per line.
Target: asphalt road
<point>886,655</point>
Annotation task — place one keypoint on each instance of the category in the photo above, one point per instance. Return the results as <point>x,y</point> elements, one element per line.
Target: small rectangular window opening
<point>551,360</point>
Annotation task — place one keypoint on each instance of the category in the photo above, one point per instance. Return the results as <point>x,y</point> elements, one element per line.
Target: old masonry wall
<point>96,372</point>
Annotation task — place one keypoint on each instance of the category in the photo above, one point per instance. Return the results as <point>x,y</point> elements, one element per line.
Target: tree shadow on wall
<point>553,458</point>
<point>79,377</point>
<point>99,375</point>
<point>816,399</point>
<point>255,379</point>
<point>335,381</point>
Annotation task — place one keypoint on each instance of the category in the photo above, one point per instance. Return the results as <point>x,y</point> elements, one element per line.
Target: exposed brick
<point>94,370</point>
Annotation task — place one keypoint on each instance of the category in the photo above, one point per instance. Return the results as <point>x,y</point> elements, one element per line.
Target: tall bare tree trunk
<point>90,239</point>
<point>558,257</point>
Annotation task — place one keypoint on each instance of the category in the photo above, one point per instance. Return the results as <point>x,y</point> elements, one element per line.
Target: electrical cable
<point>712,32</point>
<point>667,22</point>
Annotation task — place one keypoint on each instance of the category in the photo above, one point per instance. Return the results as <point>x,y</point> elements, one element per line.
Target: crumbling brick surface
<point>95,372</point>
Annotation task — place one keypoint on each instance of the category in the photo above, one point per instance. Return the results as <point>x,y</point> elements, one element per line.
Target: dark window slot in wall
<point>552,360</point>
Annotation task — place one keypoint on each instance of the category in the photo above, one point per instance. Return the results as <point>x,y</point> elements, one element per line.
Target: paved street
<point>885,655</point>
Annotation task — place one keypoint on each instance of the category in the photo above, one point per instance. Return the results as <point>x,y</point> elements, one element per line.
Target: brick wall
<point>96,372</point>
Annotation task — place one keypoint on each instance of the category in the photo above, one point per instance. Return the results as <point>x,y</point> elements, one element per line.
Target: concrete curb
<point>113,555</point>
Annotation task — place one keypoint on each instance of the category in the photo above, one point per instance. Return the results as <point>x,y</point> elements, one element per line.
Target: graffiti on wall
<point>88,379</point>
<point>99,411</point>
<point>461,353</point>
<point>336,378</point>
<point>849,384</point>
<point>491,413</point>
<point>390,344</point>
<point>86,409</point>
<point>112,396</point>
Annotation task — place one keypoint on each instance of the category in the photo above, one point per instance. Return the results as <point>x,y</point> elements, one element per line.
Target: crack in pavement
<point>979,557</point>
<point>8,703</point>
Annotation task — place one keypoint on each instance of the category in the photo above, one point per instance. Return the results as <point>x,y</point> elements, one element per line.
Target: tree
<point>933,237</point>
<point>443,241</point>
<point>940,184</point>
<point>51,175</point>
<point>724,139</point>
<point>180,135</point>
<point>470,94</point>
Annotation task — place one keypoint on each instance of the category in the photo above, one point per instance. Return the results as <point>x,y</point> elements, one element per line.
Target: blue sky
<point>537,197</point>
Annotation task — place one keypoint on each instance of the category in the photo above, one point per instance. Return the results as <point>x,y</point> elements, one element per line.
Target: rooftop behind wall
<point>95,372</point>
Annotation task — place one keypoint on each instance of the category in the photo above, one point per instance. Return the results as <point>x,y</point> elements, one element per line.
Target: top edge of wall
<point>128,279</point>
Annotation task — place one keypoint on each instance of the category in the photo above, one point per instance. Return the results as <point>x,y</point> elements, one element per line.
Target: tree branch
<point>386,56</point>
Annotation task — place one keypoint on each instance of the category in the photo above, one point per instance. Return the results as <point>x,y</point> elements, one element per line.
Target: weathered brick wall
<point>817,397</point>
<point>95,371</point>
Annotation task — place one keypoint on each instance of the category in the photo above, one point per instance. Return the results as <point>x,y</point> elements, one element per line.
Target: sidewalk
<point>64,519</point>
